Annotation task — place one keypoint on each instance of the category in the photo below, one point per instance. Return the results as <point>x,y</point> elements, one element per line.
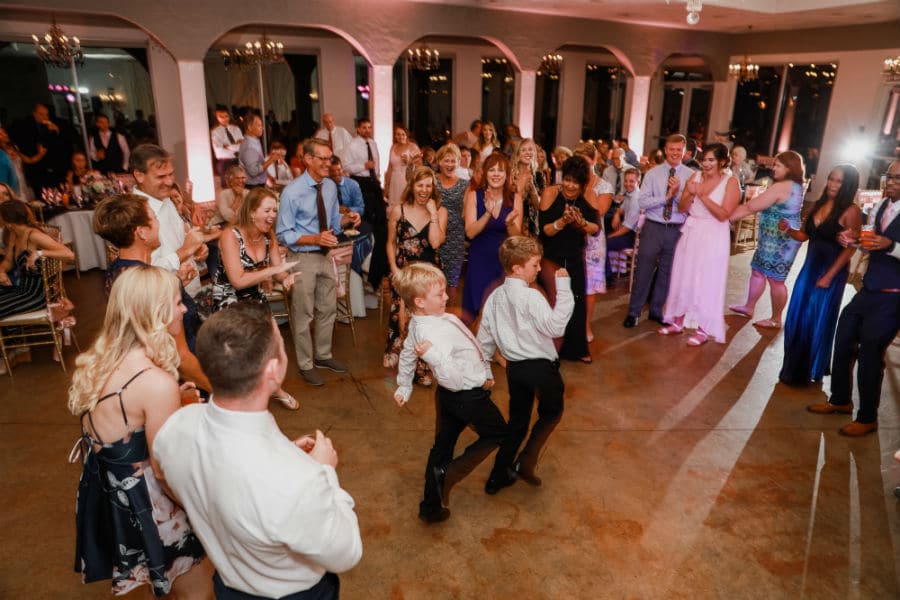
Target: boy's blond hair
<point>415,280</point>
<point>517,250</point>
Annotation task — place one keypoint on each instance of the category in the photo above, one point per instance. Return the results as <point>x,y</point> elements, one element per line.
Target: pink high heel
<point>670,329</point>
<point>698,339</point>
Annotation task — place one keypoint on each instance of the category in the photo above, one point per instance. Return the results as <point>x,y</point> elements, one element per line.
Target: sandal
<point>287,400</point>
<point>741,310</point>
<point>391,360</point>
<point>698,339</point>
<point>670,329</point>
<point>586,359</point>
<point>768,324</point>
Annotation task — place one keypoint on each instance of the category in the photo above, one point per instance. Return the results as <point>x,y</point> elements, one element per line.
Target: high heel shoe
<point>287,400</point>
<point>671,329</point>
<point>698,339</point>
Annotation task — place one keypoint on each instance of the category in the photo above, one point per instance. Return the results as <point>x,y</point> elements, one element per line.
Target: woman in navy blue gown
<point>816,299</point>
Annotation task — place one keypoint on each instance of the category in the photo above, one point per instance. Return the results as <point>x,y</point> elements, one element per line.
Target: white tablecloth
<point>76,227</point>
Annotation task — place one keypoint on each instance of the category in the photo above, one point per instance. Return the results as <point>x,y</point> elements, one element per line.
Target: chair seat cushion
<point>25,317</point>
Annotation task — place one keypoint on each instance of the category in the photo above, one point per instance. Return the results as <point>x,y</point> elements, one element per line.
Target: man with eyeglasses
<point>871,320</point>
<point>309,221</point>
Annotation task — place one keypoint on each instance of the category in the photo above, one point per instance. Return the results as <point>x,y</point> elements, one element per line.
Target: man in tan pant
<point>308,221</point>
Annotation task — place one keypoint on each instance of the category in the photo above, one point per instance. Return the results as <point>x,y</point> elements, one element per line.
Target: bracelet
<point>557,227</point>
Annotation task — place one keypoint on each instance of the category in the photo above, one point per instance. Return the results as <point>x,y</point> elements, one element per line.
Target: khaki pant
<point>313,298</point>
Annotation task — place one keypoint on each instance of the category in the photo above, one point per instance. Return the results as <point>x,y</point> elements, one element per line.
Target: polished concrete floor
<point>676,472</point>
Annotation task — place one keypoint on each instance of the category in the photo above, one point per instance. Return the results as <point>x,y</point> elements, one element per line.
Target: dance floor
<point>676,472</point>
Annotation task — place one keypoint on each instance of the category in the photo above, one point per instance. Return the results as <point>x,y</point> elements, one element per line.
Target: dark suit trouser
<point>328,588</point>
<point>866,328</point>
<point>526,379</point>
<point>375,215</point>
<point>658,241</point>
<point>454,411</point>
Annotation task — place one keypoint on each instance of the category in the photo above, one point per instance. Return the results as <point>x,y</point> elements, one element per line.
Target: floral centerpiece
<point>95,187</point>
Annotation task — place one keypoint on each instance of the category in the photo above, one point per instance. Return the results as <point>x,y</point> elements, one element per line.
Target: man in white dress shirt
<point>226,141</point>
<point>109,150</point>
<point>362,163</point>
<point>178,249</point>
<point>269,511</point>
<point>518,321</point>
<point>464,377</point>
<point>338,137</point>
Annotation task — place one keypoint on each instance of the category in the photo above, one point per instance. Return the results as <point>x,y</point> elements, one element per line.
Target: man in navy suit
<point>871,320</point>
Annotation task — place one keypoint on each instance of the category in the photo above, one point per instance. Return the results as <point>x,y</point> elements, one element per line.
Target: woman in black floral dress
<point>416,229</point>
<point>123,390</point>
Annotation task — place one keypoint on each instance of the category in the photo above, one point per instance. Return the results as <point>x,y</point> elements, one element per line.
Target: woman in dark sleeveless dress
<point>416,229</point>
<point>247,268</point>
<point>816,298</point>
<point>21,282</point>
<point>493,212</point>
<point>566,218</point>
<point>123,390</point>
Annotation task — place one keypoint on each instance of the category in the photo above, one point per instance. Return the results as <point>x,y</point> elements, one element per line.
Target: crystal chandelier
<point>693,11</point>
<point>551,65</point>
<point>423,58</point>
<point>744,71</point>
<point>261,52</point>
<point>57,49</point>
<point>890,72</point>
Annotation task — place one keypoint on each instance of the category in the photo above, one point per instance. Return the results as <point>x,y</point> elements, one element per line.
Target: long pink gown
<point>700,269</point>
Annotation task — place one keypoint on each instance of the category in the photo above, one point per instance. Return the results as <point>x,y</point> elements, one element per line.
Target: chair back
<point>51,272</point>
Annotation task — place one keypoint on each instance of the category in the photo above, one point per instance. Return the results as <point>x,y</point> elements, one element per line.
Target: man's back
<point>272,519</point>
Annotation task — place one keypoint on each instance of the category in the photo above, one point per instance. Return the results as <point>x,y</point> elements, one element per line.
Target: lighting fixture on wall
<point>423,58</point>
<point>551,65</point>
<point>890,72</point>
<point>58,50</point>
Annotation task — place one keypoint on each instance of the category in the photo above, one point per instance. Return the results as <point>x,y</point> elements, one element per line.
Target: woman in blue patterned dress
<point>775,250</point>
<point>452,190</point>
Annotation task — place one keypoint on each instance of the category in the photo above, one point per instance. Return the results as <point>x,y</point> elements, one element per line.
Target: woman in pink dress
<point>700,268</point>
<point>403,154</point>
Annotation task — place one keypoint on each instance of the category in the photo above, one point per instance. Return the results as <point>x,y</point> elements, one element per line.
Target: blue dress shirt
<point>653,192</point>
<point>351,195</point>
<point>297,213</point>
<point>252,158</point>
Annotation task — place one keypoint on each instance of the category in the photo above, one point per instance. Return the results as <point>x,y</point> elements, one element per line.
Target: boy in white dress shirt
<point>464,377</point>
<point>518,320</point>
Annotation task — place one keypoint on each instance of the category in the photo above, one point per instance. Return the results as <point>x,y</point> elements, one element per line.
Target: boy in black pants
<point>463,374</point>
<point>518,320</point>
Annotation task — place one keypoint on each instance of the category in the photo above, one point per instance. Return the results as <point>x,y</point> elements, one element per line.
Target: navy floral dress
<point>127,529</point>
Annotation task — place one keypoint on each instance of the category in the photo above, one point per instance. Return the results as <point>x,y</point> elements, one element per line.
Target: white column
<point>381,107</point>
<point>167,105</point>
<point>524,106</point>
<point>638,108</point>
<point>467,86</point>
<point>571,99</point>
<point>196,129</point>
<point>722,106</point>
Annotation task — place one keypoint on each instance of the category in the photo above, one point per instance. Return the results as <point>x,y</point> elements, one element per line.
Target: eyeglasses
<point>888,177</point>
<point>321,157</point>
